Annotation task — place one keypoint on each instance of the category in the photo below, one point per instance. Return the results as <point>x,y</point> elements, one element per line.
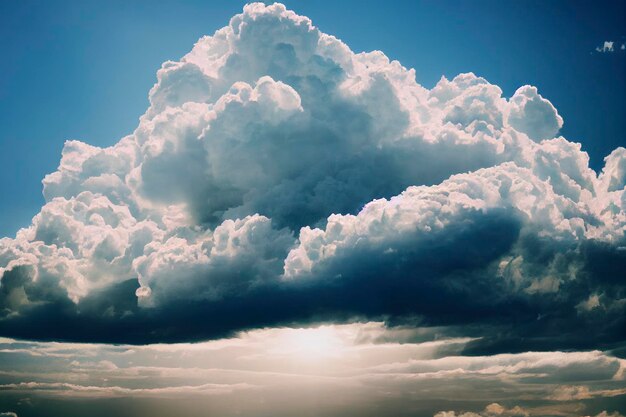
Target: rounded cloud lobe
<point>278,177</point>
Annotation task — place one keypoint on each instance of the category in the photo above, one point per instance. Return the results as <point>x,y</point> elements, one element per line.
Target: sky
<point>313,209</point>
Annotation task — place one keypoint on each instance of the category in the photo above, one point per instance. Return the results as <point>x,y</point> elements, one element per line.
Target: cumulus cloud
<point>278,177</point>
<point>532,114</point>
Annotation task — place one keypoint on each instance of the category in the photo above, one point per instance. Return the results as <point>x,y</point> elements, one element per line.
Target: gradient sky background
<point>82,69</point>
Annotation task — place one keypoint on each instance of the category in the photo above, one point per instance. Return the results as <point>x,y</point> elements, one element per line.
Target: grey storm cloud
<point>278,177</point>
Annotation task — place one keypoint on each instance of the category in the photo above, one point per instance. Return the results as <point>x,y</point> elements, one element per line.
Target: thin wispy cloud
<point>264,370</point>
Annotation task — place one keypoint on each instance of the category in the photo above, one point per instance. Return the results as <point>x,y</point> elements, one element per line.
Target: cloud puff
<point>532,114</point>
<point>606,47</point>
<point>611,46</point>
<point>278,177</point>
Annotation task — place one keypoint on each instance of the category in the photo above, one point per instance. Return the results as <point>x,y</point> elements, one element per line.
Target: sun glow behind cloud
<point>268,370</point>
<point>311,343</point>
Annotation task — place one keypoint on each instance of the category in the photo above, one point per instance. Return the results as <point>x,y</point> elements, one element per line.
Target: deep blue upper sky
<point>82,69</point>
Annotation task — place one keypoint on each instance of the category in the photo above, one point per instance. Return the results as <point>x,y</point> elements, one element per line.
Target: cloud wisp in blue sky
<point>611,46</point>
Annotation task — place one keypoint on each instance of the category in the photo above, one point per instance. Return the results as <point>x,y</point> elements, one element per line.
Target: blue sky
<point>82,69</point>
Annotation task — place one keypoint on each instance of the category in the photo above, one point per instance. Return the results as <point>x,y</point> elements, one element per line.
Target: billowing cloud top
<point>278,177</point>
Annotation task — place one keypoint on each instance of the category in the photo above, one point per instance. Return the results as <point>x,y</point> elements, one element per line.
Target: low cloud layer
<point>278,177</point>
<point>333,370</point>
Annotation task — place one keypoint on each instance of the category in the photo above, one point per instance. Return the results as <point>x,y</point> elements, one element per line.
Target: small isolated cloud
<point>278,177</point>
<point>606,47</point>
<point>611,46</point>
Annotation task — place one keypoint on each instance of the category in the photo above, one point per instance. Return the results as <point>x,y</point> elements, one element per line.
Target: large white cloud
<point>271,154</point>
